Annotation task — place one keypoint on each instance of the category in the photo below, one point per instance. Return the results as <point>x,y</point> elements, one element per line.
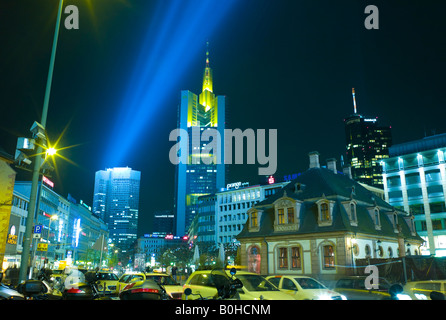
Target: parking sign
<point>38,229</point>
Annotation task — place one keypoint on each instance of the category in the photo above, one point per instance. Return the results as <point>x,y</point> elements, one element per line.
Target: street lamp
<point>38,159</point>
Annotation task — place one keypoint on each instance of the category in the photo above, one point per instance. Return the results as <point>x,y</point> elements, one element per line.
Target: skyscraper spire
<point>354,100</point>
<point>207,76</point>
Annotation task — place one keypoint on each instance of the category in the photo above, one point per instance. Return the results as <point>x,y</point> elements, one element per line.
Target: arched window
<point>353,211</point>
<point>254,259</point>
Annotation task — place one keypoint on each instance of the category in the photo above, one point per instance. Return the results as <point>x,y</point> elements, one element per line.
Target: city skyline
<point>284,65</point>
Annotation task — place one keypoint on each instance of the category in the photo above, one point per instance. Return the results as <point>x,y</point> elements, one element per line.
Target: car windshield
<point>254,282</point>
<point>164,280</point>
<point>308,283</point>
<point>108,276</point>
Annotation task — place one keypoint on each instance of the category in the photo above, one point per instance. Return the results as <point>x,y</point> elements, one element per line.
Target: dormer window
<point>286,214</point>
<point>325,212</point>
<point>254,220</point>
<point>350,208</point>
<point>377,219</point>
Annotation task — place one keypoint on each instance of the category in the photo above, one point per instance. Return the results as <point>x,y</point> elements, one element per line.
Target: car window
<point>194,280</point>
<point>124,278</point>
<point>274,281</point>
<point>135,278</point>
<point>308,283</point>
<point>288,284</point>
<point>164,280</point>
<point>108,276</point>
<point>435,286</point>
<point>345,283</point>
<point>256,283</point>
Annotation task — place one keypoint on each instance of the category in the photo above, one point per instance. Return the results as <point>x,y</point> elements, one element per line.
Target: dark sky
<point>285,65</point>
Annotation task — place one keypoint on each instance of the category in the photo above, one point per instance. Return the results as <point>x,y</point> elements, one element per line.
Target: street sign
<point>36,236</point>
<point>38,228</point>
<point>42,247</point>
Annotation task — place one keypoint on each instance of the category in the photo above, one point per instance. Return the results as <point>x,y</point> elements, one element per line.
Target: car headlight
<point>402,296</point>
<point>323,297</point>
<point>343,297</point>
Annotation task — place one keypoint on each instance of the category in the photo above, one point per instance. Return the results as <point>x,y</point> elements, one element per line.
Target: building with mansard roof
<point>320,223</point>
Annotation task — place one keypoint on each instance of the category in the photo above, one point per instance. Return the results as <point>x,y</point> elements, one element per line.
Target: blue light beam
<point>177,32</point>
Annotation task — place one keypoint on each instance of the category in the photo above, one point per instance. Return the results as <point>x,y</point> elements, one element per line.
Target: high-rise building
<point>163,222</point>
<point>116,200</point>
<point>195,178</point>
<point>367,143</point>
<point>415,181</point>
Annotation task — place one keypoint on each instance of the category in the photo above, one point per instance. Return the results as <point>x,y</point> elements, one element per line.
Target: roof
<point>321,183</point>
<point>425,144</point>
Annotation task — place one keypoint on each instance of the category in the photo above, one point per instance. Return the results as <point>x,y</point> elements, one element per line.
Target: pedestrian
<point>174,273</point>
<point>14,276</point>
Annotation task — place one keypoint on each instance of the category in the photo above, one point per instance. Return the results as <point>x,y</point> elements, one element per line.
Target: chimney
<point>314,159</point>
<point>347,171</point>
<point>331,165</point>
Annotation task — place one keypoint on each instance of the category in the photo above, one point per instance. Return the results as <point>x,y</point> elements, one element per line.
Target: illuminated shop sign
<point>12,237</point>
<point>236,185</point>
<point>48,182</point>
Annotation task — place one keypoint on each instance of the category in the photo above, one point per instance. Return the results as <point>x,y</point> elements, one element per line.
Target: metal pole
<point>38,159</point>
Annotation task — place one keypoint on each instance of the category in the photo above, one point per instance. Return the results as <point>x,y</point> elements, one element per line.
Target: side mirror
<point>435,295</point>
<point>31,287</point>
<point>188,291</point>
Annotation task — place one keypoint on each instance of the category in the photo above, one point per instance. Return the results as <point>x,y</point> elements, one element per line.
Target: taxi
<point>304,288</point>
<point>255,287</point>
<point>173,289</point>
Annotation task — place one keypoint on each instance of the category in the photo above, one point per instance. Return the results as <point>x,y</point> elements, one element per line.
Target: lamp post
<point>38,159</point>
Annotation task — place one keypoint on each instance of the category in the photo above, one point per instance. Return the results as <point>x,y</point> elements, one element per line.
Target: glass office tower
<point>195,178</point>
<point>116,200</point>
<point>367,143</point>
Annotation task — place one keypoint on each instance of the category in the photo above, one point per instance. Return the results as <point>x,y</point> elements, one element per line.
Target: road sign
<point>36,236</point>
<point>38,228</point>
<point>42,247</point>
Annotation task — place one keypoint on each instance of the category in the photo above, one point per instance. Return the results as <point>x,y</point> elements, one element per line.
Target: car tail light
<point>75,290</point>
<point>145,290</point>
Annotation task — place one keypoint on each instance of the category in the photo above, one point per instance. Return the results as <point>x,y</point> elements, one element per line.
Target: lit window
<point>290,217</point>
<point>328,257</point>
<point>296,262</point>
<point>325,213</point>
<point>281,216</point>
<point>254,222</point>
<point>283,258</point>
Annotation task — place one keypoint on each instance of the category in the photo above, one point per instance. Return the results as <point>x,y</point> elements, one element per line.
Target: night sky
<point>285,65</point>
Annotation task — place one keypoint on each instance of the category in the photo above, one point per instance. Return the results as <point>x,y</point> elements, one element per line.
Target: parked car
<point>421,290</point>
<point>304,288</point>
<point>353,287</point>
<point>255,287</point>
<point>173,289</point>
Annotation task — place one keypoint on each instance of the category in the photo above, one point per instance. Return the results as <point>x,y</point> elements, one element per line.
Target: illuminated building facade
<point>116,199</point>
<point>415,181</point>
<point>69,236</point>
<point>195,178</point>
<point>367,143</point>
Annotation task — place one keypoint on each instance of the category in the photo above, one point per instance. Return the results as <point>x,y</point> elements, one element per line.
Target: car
<point>107,282</point>
<point>421,290</point>
<point>353,287</point>
<point>173,289</point>
<point>127,278</point>
<point>255,287</point>
<point>304,288</point>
